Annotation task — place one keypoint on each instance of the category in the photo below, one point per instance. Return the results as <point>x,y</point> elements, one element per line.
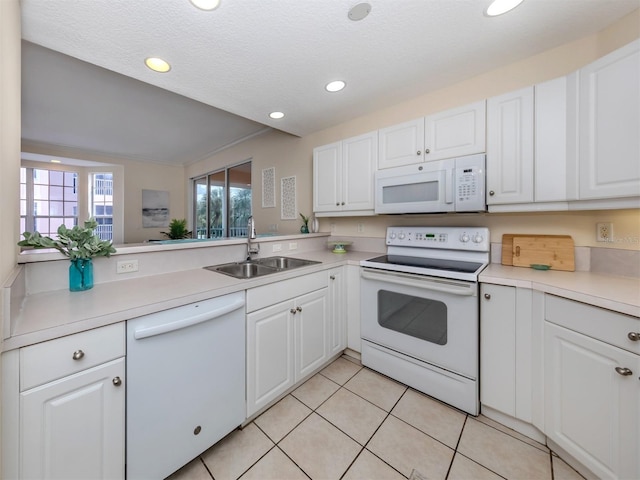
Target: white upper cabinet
<point>401,144</point>
<point>452,133</point>
<point>456,132</point>
<point>510,147</point>
<point>609,128</point>
<point>343,176</point>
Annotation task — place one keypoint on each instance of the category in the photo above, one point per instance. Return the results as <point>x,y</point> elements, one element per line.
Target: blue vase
<point>304,229</point>
<point>80,274</point>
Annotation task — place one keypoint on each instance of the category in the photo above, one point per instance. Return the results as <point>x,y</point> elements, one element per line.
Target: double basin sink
<point>260,267</point>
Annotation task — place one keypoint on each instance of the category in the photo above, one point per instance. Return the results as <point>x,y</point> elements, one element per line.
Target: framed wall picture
<point>288,205</point>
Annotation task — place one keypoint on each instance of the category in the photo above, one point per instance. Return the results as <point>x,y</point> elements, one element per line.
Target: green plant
<point>305,220</point>
<point>177,229</point>
<point>75,243</point>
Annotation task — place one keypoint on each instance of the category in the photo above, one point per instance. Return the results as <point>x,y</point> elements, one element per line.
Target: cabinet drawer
<point>277,292</point>
<point>51,360</point>
<point>605,325</point>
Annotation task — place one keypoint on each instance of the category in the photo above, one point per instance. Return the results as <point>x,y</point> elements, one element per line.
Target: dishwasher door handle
<point>146,332</point>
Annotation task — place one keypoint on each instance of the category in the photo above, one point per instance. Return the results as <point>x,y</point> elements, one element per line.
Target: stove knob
<point>464,238</point>
<point>401,236</point>
<point>478,238</point>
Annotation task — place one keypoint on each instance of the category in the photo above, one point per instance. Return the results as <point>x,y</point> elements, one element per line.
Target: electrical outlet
<point>293,245</point>
<point>277,247</point>
<point>360,227</point>
<point>604,232</point>
<point>127,266</point>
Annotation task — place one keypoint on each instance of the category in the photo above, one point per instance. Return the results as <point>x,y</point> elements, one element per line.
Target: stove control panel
<point>451,238</point>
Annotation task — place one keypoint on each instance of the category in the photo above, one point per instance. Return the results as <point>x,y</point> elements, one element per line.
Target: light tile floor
<point>349,422</point>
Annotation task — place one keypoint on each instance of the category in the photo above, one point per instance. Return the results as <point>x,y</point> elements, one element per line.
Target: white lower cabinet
<point>510,348</point>
<point>288,340</point>
<point>73,428</point>
<point>337,311</point>
<point>71,407</point>
<point>592,389</point>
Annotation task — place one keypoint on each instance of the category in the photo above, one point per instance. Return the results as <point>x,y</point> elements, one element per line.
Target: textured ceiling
<point>251,57</point>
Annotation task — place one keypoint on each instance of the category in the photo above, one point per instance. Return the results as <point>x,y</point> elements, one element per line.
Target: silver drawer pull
<point>299,309</point>
<point>117,381</point>
<point>293,310</point>
<point>487,296</point>
<point>634,336</point>
<point>624,371</point>
<point>78,354</point>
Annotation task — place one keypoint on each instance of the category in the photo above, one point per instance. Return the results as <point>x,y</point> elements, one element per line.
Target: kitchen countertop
<point>621,294</point>
<point>53,314</point>
<point>45,316</point>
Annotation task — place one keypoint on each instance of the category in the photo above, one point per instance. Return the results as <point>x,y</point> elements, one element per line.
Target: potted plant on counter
<point>80,244</point>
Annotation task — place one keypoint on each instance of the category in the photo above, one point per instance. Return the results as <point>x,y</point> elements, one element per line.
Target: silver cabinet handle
<point>634,336</point>
<point>337,204</point>
<point>487,296</point>
<point>299,309</point>
<point>342,203</point>
<point>419,152</point>
<point>117,381</point>
<point>624,371</point>
<point>293,310</point>
<point>332,277</point>
<point>78,354</point>
<point>427,151</point>
<point>492,193</point>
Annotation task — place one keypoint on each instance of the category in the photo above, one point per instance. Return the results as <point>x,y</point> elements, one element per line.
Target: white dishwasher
<point>185,383</point>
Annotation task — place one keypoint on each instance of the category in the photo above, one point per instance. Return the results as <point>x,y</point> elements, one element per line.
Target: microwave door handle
<point>448,186</point>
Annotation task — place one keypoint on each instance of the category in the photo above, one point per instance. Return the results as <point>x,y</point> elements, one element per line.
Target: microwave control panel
<point>470,184</point>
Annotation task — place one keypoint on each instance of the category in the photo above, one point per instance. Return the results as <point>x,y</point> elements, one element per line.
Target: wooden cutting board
<point>557,251</point>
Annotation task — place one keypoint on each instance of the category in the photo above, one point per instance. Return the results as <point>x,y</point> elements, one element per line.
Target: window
<point>48,199</point>
<point>222,202</point>
<point>101,203</point>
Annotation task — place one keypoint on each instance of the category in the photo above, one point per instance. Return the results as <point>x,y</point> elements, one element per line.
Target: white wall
<point>293,155</point>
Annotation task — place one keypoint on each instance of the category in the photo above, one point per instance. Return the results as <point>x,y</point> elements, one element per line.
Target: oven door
<point>431,319</point>
<point>422,188</point>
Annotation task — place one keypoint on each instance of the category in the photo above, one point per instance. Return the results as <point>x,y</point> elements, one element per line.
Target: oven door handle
<point>444,285</point>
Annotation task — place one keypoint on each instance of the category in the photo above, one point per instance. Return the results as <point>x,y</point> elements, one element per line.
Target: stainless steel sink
<point>258,268</point>
<point>284,263</point>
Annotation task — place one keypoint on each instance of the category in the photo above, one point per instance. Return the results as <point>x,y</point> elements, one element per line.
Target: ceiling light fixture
<point>55,161</point>
<point>498,7</point>
<point>335,86</point>
<point>206,4</point>
<point>359,12</point>
<point>276,115</point>
<point>157,64</point>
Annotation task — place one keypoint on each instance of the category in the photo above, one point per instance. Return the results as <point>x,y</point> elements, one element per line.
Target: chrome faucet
<point>252,248</point>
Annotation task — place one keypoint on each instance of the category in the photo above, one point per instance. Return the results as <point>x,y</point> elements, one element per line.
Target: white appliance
<point>185,383</point>
<point>452,185</point>
<point>420,311</point>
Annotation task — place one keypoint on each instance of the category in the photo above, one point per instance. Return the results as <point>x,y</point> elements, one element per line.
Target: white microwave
<point>452,185</point>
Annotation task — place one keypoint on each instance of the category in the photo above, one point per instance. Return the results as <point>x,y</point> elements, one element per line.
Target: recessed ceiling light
<point>498,7</point>
<point>157,64</point>
<point>206,4</point>
<point>276,115</point>
<point>335,86</point>
<point>359,12</point>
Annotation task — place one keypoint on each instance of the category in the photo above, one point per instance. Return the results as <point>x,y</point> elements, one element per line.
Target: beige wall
<point>138,176</point>
<point>293,155</point>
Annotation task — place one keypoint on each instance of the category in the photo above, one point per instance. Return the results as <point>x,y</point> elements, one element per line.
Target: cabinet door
<point>359,160</point>
<point>338,308</point>
<point>327,177</point>
<point>591,410</point>
<point>311,332</point>
<point>552,142</point>
<point>401,144</point>
<point>270,359</point>
<point>510,148</point>
<point>609,125</point>
<point>456,132</point>
<point>73,428</point>
<point>498,348</point>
